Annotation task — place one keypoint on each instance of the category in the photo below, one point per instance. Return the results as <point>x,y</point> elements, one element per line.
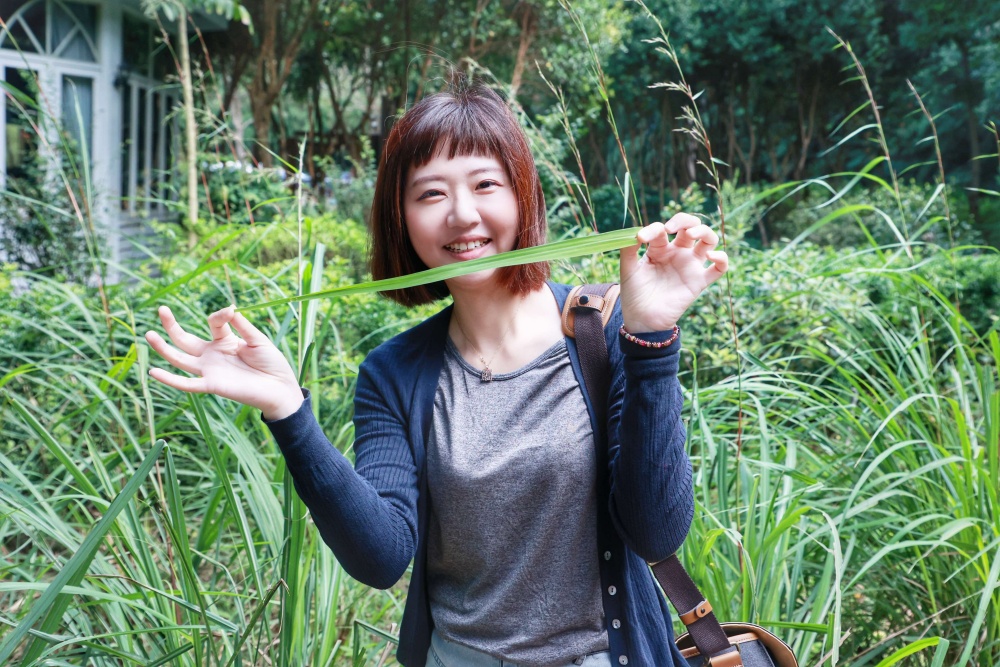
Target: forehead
<point>443,164</point>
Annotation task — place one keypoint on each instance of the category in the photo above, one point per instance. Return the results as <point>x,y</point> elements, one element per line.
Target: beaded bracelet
<point>648,343</point>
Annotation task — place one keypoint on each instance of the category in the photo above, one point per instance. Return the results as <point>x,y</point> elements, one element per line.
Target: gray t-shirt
<point>511,559</point>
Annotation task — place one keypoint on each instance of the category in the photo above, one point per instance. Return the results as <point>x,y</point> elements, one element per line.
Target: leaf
<point>909,649</point>
<point>53,600</point>
<point>985,600</point>
<point>848,138</point>
<point>566,249</point>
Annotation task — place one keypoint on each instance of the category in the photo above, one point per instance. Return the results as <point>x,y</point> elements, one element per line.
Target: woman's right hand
<point>250,370</point>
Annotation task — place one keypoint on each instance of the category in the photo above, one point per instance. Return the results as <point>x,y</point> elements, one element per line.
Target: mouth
<point>459,248</point>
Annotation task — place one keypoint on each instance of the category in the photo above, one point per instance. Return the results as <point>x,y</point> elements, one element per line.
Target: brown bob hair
<point>471,120</point>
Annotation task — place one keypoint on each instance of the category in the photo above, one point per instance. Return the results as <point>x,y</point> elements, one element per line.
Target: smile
<point>464,247</point>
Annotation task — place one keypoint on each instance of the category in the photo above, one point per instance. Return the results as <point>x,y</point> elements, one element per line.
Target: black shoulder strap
<point>588,315</point>
<point>586,308</point>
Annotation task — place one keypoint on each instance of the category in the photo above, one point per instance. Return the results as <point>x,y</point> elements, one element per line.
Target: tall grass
<point>847,464</point>
<point>213,563</point>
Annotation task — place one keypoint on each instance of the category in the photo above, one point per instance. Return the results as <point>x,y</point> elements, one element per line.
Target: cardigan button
<point>612,590</point>
<point>616,624</point>
<point>622,660</point>
<point>607,555</point>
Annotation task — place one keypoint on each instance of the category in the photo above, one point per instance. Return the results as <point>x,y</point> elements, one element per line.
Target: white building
<point>100,68</point>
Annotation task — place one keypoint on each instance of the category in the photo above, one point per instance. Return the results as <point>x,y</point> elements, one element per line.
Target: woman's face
<point>459,209</point>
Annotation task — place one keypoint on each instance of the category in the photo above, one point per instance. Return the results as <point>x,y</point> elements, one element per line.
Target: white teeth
<point>462,247</point>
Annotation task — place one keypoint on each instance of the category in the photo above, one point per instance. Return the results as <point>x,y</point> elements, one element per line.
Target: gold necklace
<point>487,373</point>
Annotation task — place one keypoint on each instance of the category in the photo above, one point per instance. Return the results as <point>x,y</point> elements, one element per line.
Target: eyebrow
<point>436,177</point>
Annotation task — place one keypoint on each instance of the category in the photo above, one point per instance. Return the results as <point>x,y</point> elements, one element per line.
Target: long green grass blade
<point>257,613</point>
<point>985,603</point>
<point>52,600</point>
<point>909,649</point>
<point>565,249</point>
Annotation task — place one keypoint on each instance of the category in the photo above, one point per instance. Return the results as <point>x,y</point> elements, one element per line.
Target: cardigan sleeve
<point>366,514</point>
<point>652,498</point>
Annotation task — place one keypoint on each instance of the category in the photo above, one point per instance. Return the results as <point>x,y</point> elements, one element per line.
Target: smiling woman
<point>473,124</point>
<point>527,507</point>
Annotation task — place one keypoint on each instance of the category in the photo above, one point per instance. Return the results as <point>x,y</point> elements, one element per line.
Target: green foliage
<point>919,208</point>
<point>239,193</point>
<point>842,388</point>
<point>40,230</point>
<point>198,575</point>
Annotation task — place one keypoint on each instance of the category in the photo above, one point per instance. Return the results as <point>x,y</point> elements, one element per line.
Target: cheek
<point>420,234</point>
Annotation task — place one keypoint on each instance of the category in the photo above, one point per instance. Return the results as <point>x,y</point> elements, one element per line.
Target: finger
<point>182,339</point>
<point>681,221</point>
<point>190,385</point>
<point>688,236</point>
<point>218,322</point>
<point>175,357</point>
<point>248,332</point>
<point>705,236</point>
<point>720,264</point>
<point>627,259</point>
<point>654,234</point>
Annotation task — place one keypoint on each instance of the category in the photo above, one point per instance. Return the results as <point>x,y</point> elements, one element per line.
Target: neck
<point>507,330</point>
<point>485,318</point>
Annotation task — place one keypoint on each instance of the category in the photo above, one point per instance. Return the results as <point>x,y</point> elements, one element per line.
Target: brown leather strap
<point>729,659</point>
<point>704,608</point>
<point>589,304</point>
<point>603,301</point>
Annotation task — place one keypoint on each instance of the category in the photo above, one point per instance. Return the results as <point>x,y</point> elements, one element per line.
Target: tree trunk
<point>528,29</point>
<point>275,57</point>
<point>807,128</point>
<point>260,108</point>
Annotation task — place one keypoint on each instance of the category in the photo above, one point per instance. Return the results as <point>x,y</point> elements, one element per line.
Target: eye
<point>430,193</point>
<point>487,184</point>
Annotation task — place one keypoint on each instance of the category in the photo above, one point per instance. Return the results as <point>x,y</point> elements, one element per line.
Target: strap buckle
<point>728,659</point>
<point>602,304</point>
<point>701,610</point>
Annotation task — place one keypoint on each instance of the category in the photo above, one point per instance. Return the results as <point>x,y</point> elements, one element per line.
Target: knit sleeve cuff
<point>299,435</point>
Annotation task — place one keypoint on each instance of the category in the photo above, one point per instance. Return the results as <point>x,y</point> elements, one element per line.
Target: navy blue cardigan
<point>375,515</point>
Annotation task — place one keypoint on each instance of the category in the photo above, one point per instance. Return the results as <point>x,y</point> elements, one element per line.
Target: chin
<point>486,279</point>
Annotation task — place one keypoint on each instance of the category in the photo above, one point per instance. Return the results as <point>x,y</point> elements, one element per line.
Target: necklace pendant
<point>487,375</point>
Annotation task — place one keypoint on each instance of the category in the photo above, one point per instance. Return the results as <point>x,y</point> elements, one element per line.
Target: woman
<point>477,453</point>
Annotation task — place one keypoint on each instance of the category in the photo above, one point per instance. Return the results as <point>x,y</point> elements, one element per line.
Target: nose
<point>464,212</point>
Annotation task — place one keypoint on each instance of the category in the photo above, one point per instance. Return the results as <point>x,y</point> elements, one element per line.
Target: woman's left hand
<point>659,287</point>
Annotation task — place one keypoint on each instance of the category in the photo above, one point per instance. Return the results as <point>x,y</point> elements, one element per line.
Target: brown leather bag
<point>707,642</point>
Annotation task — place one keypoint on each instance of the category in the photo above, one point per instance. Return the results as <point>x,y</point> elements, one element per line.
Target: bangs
<point>465,130</point>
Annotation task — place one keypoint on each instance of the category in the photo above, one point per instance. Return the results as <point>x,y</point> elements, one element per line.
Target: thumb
<point>628,258</point>
<point>218,322</point>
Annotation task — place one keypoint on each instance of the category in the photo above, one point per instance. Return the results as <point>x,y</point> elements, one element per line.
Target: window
<point>26,25</point>
<point>51,27</point>
<point>144,50</point>
<point>77,114</point>
<point>147,122</point>
<point>20,125</point>
<point>73,29</point>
